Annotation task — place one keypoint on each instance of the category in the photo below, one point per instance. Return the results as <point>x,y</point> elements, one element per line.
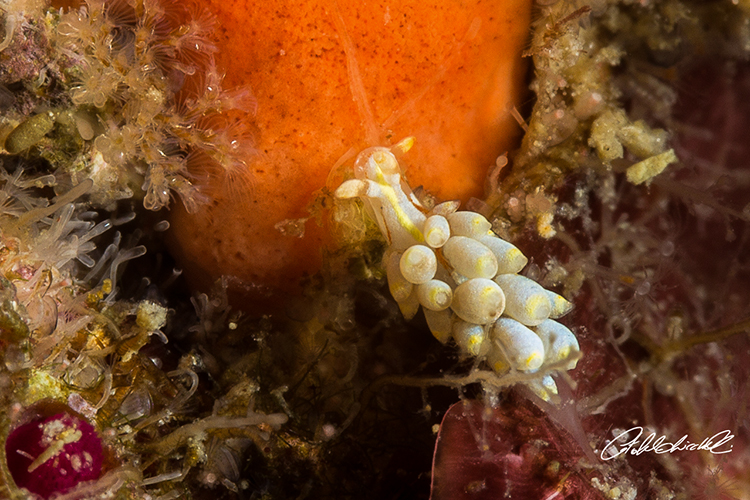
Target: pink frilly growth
<point>512,451</point>
<point>52,455</point>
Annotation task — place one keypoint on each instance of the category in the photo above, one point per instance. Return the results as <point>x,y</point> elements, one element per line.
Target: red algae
<point>330,80</point>
<point>510,451</point>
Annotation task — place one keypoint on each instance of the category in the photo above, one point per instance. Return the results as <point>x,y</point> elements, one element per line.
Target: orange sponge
<point>332,78</point>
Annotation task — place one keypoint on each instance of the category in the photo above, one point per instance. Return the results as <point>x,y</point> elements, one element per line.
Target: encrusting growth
<point>128,95</point>
<point>463,275</point>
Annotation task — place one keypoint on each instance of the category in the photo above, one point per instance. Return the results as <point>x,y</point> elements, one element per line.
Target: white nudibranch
<point>510,260</point>
<point>559,342</point>
<point>418,264</point>
<point>469,224</point>
<point>435,295</point>
<point>560,306</point>
<point>440,323</point>
<point>527,302</point>
<point>436,231</point>
<point>400,288</point>
<point>463,276</point>
<point>470,337</point>
<point>523,348</point>
<point>470,258</point>
<point>479,301</point>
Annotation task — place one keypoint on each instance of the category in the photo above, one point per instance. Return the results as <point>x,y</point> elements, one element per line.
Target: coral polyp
<point>127,94</point>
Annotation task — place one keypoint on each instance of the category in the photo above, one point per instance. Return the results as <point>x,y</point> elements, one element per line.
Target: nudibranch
<point>465,278</point>
<point>332,78</point>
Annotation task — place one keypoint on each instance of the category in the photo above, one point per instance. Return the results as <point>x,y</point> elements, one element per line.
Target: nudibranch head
<point>464,277</point>
<point>376,162</point>
<point>378,182</point>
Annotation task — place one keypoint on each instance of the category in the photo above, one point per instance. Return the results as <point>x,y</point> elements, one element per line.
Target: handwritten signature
<point>660,445</point>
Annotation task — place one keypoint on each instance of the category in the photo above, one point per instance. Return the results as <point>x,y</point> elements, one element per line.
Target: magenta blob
<point>54,454</point>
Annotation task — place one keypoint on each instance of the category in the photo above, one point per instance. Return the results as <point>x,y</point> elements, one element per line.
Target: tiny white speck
<point>329,431</point>
<point>76,462</point>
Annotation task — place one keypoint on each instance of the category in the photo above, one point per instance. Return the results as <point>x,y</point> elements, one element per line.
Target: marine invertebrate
<point>462,274</point>
<point>141,61</point>
<point>332,79</point>
<point>125,94</point>
<point>51,455</point>
<point>74,361</point>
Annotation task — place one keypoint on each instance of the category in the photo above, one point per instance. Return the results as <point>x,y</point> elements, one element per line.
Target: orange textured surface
<point>332,78</point>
